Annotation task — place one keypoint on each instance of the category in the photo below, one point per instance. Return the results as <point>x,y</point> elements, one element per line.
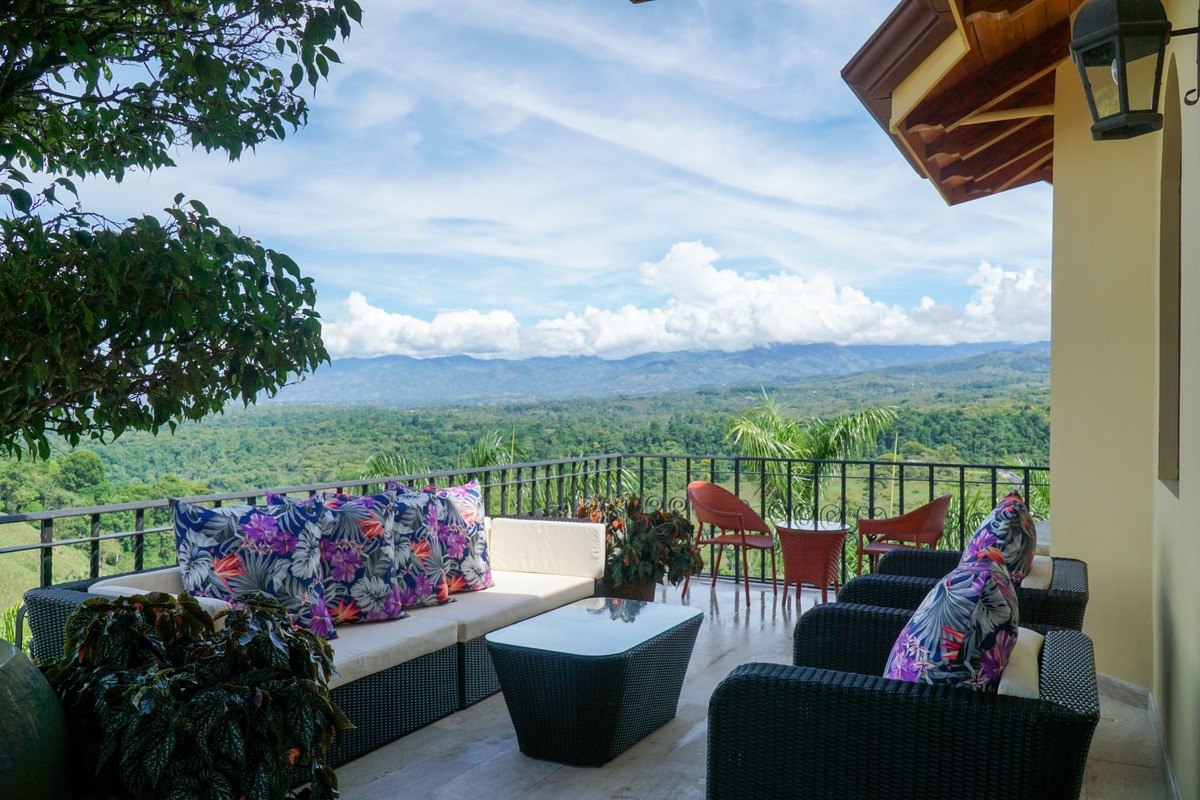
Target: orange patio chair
<point>737,524</point>
<point>921,526</point>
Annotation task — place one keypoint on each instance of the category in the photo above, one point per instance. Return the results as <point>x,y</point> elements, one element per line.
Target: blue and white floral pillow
<point>962,633</point>
<point>458,519</point>
<point>232,551</point>
<point>358,556</point>
<point>1008,535</point>
<point>420,556</point>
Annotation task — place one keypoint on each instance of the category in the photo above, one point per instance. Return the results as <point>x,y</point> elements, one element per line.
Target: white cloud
<point>708,308</point>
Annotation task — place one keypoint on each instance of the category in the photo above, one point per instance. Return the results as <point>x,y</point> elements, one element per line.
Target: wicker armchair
<point>830,729</point>
<point>904,578</point>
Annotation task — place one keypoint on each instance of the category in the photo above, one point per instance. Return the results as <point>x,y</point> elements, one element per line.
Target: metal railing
<point>134,536</point>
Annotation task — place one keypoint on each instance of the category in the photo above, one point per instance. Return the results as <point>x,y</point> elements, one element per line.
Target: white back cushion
<point>1022,675</point>
<point>156,580</point>
<point>114,590</point>
<point>549,547</point>
<point>1039,574</point>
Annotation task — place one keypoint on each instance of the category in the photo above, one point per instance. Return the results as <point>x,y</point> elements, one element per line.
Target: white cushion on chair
<point>362,650</point>
<point>166,580</point>
<point>515,596</point>
<point>1040,573</point>
<point>1022,676</point>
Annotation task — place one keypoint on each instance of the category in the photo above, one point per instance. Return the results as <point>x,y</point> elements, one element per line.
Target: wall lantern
<point>1119,47</point>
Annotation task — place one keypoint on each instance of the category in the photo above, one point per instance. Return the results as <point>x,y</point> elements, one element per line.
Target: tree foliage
<point>110,326</point>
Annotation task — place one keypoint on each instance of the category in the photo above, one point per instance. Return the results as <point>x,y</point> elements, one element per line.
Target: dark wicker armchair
<point>904,578</point>
<point>830,728</point>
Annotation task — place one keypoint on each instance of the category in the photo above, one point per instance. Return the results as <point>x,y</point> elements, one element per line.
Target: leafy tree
<point>82,472</point>
<point>136,325</point>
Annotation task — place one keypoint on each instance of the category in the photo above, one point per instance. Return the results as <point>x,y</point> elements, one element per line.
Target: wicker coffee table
<point>587,681</point>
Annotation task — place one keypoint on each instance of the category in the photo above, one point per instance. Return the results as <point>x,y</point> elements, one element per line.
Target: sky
<point>593,177</point>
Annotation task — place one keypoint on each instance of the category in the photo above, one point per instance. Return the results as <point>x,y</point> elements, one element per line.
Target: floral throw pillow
<point>420,558</point>
<point>358,557</point>
<point>962,633</point>
<point>455,516</point>
<point>232,551</point>
<point>1008,535</point>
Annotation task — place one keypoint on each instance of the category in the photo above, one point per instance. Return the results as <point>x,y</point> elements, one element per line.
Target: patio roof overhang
<point>965,88</point>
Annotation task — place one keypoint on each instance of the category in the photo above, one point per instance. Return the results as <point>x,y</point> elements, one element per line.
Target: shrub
<point>164,706</point>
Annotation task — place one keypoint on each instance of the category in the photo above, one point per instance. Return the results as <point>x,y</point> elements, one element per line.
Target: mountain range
<point>403,382</point>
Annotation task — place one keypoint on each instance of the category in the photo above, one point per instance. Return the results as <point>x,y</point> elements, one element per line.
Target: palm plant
<point>766,431</point>
<point>494,449</point>
<point>391,464</point>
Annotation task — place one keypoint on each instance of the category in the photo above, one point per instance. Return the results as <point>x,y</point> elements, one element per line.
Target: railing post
<point>520,487</point>
<point>871,491</point>
<point>94,547</point>
<point>994,471</point>
<point>139,540</point>
<point>931,482</point>
<point>816,491</point>
<point>962,507</point>
<point>47,552</point>
<point>842,555</point>
<point>790,511</point>
<point>664,483</point>
<point>620,475</point>
<point>642,479</point>
<point>504,491</point>
<point>901,487</point>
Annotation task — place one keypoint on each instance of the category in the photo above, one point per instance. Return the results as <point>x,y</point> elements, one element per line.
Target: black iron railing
<point>113,539</point>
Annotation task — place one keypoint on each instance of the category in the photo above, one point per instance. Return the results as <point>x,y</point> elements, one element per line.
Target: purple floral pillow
<point>358,559</point>
<point>1007,536</point>
<point>457,516</point>
<point>962,633</point>
<point>232,551</point>
<point>421,568</point>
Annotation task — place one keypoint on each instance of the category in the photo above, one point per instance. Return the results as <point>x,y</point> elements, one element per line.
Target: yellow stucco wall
<point>1103,376</point>
<point>1141,537</point>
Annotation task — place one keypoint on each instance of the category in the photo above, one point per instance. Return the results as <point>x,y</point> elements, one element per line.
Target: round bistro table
<point>812,553</point>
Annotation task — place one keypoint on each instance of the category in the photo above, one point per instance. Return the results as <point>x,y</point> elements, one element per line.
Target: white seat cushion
<point>1040,573</point>
<point>362,650</point>
<point>1022,676</point>
<point>514,597</point>
<point>551,547</point>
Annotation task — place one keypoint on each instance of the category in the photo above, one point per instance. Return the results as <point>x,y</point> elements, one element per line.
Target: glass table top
<point>820,526</point>
<point>598,626</point>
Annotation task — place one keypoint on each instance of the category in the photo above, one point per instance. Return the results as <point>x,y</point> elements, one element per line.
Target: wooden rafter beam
<point>970,140</point>
<point>999,10</point>
<point>1009,150</point>
<point>1029,167</point>
<point>1001,80</point>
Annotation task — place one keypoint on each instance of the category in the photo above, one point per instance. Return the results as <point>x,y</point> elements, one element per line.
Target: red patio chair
<point>921,526</point>
<point>735,521</point>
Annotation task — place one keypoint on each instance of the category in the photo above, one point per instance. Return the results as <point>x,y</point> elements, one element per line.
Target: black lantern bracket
<point>1193,95</point>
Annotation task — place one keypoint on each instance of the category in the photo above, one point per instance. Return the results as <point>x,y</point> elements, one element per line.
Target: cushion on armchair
<point>1006,535</point>
<point>962,633</point>
<point>237,550</point>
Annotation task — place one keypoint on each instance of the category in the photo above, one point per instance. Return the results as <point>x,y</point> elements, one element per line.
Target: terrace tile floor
<point>474,753</point>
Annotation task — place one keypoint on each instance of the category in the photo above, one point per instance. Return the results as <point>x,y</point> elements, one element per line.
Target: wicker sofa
<point>395,677</point>
<point>829,728</point>
<point>1057,596</point>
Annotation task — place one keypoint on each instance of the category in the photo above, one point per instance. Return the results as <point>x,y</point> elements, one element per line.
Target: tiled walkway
<point>474,753</point>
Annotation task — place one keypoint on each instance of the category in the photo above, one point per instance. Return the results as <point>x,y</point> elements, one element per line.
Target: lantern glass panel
<point>1103,73</point>
<point>1142,71</point>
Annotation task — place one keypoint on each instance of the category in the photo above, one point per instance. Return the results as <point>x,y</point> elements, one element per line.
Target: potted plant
<point>642,547</point>
<point>161,704</point>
